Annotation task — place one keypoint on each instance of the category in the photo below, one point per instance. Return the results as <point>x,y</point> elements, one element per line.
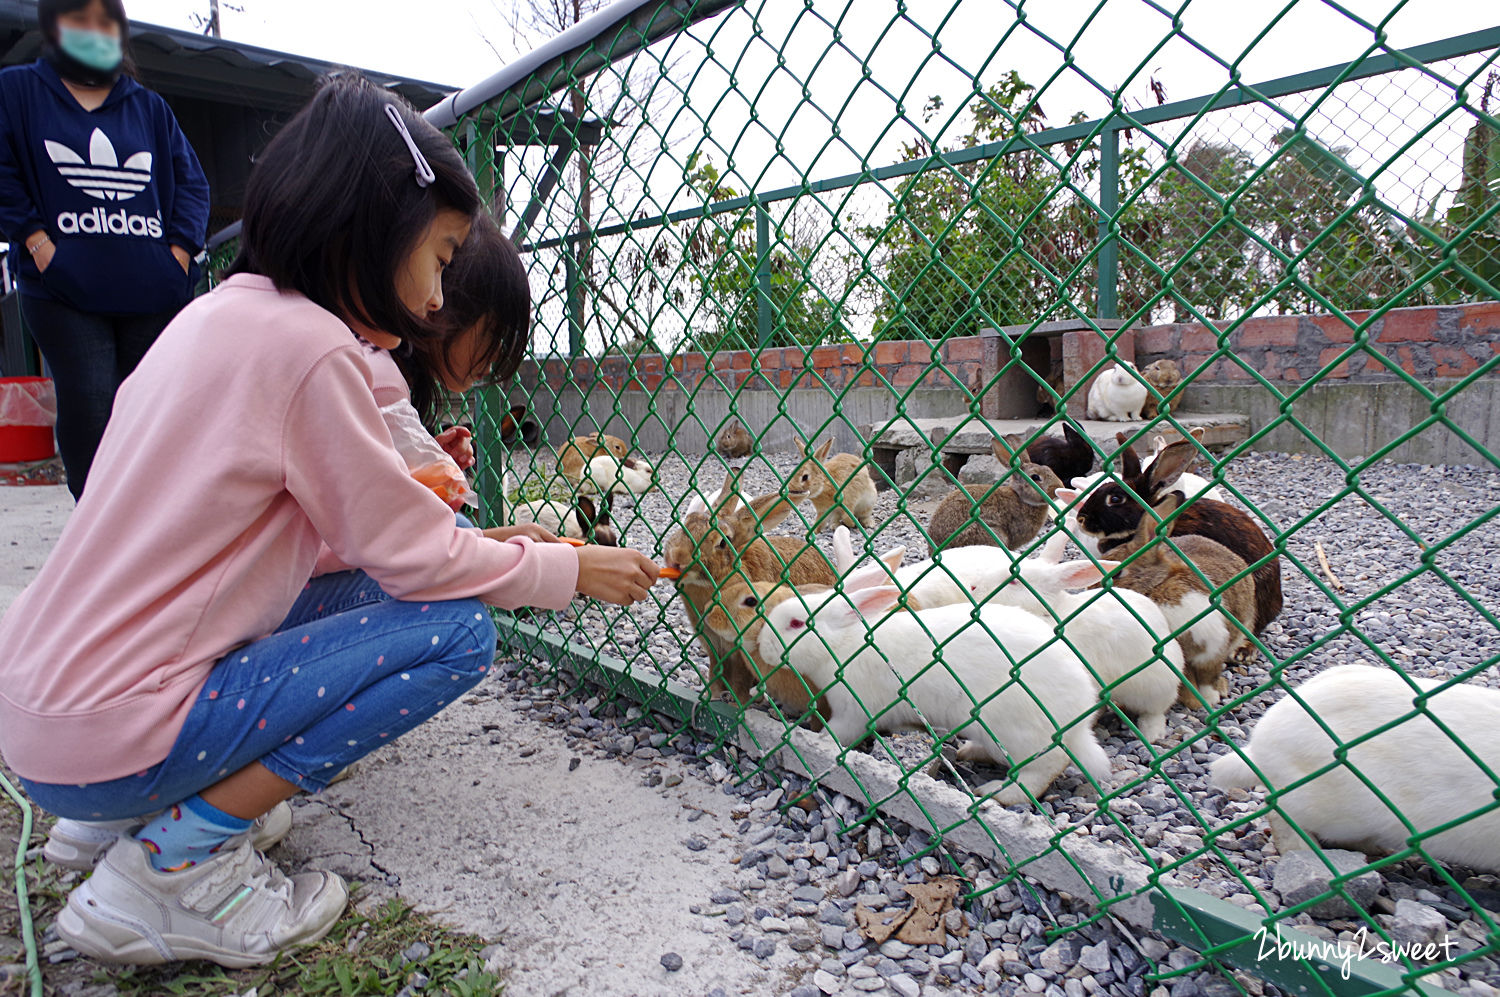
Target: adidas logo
<point>103,176</point>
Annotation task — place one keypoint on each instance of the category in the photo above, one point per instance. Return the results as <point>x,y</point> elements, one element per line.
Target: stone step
<point>959,438</point>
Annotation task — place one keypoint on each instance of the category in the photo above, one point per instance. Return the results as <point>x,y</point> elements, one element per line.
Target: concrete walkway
<point>568,860</point>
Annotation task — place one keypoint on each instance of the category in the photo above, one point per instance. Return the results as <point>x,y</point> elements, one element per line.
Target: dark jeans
<point>88,356</point>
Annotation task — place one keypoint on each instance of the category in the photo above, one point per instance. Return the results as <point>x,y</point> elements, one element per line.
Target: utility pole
<point>212,30</point>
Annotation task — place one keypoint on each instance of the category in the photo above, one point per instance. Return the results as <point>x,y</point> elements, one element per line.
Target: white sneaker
<point>237,909</point>
<point>79,844</point>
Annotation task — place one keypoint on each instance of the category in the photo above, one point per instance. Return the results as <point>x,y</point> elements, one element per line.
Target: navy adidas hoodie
<point>114,188</point>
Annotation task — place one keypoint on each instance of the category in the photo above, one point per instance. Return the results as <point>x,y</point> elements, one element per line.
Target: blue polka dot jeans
<point>349,669</point>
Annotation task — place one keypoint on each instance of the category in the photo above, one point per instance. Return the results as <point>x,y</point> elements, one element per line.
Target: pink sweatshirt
<point>248,433</point>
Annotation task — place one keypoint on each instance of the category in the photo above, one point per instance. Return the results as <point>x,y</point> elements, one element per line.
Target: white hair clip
<point>424,173</point>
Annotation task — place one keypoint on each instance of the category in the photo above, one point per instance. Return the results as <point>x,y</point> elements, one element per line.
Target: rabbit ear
<point>823,451</point>
<point>1146,530</point>
<point>892,557</point>
<point>1066,495</point>
<point>764,511</point>
<point>872,602</point>
<point>843,549</point>
<point>1170,464</point>
<point>726,499</point>
<point>870,576</point>
<point>1052,551</point>
<point>587,514</point>
<point>1006,447</point>
<point>1081,574</point>
<point>1130,462</point>
<point>697,504</point>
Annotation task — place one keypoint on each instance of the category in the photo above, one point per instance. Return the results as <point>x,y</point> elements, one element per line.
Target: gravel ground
<point>1425,624</point>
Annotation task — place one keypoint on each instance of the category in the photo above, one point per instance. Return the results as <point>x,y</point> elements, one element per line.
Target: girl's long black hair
<point>484,286</point>
<point>333,208</point>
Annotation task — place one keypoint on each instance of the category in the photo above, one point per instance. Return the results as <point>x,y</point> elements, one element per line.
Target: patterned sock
<point>191,832</point>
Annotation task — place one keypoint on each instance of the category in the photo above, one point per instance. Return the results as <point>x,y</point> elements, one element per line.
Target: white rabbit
<point>1116,632</point>
<point>926,584</point>
<point>1416,765</point>
<point>1111,639</point>
<point>1117,394</point>
<point>904,679</point>
<point>608,475</point>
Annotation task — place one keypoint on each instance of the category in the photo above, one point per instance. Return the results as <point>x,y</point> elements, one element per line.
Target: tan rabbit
<point>1209,640</point>
<point>1164,376</point>
<point>577,452</point>
<point>720,540</point>
<point>1013,512</point>
<point>734,442</point>
<point>738,615</point>
<point>842,480</point>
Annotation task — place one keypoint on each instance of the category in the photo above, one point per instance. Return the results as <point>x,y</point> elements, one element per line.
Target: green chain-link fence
<point>856,220</point>
<point>802,219</point>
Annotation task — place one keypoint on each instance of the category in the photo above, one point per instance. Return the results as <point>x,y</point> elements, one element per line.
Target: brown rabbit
<point>720,540</point>
<point>1015,513</point>
<point>1110,515</point>
<point>734,442</point>
<point>1161,574</point>
<point>1164,376</point>
<point>842,480</point>
<point>577,452</point>
<point>739,615</point>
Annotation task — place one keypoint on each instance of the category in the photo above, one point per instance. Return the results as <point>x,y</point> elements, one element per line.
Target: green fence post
<point>1109,206</point>
<point>762,276</point>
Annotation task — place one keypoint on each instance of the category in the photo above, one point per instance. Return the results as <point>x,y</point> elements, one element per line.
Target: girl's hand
<point>529,530</point>
<point>615,574</point>
<point>43,256</point>
<point>455,441</point>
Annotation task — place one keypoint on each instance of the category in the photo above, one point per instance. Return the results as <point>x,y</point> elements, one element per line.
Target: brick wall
<point>1427,342</point>
<point>901,365</point>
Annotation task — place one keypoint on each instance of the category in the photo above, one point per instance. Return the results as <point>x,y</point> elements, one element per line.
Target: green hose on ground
<point>28,934</point>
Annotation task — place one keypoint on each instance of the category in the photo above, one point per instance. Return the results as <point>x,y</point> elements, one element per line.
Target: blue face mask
<point>93,49</point>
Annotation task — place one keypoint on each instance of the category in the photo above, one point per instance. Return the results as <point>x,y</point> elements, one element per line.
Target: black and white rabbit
<point>1110,515</point>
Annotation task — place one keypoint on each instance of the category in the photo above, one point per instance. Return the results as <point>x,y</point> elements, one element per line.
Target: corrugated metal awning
<point>181,63</point>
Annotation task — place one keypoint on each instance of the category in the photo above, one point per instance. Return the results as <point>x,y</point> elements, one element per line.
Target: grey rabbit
<point>1013,512</point>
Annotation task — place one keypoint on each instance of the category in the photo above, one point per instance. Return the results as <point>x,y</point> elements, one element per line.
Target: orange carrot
<point>671,574</point>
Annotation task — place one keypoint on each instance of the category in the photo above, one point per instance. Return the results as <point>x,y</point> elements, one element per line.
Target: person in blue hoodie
<point>104,205</point>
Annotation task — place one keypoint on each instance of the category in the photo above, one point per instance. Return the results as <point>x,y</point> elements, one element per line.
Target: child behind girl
<point>171,653</point>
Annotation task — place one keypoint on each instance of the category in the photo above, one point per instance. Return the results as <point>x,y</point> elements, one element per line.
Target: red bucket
<point>19,444</point>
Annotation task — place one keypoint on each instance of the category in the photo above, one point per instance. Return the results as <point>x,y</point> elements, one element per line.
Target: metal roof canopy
<point>542,126</point>
<point>182,63</point>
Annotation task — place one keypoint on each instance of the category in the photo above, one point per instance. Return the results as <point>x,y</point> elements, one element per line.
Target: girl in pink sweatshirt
<point>168,659</point>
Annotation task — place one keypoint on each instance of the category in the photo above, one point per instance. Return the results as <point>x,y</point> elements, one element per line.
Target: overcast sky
<point>803,106</point>
<point>450,41</point>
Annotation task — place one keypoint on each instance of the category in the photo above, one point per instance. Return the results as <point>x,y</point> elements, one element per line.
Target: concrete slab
<point>958,438</point>
<point>31,520</point>
<point>970,435</point>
